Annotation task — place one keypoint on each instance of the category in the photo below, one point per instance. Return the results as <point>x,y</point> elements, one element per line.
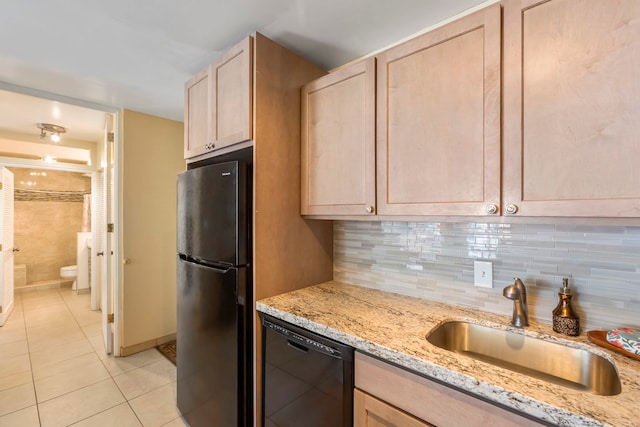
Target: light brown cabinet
<point>371,412</point>
<point>338,142</point>
<point>569,100</point>
<point>218,106</point>
<point>438,120</point>
<point>395,397</point>
<point>571,107</point>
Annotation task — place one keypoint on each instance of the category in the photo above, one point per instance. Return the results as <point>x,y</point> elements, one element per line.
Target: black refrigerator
<point>214,284</point>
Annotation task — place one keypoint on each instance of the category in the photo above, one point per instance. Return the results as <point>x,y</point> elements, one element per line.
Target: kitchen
<point>577,245</point>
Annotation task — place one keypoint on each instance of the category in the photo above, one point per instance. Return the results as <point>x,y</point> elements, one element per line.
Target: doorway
<point>85,149</point>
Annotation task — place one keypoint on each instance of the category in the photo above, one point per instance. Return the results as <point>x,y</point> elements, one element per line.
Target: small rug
<point>168,350</point>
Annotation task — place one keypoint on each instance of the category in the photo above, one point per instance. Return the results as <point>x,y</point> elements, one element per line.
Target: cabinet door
<point>338,142</point>
<point>571,107</point>
<point>196,114</point>
<point>231,102</point>
<point>371,412</point>
<point>438,120</point>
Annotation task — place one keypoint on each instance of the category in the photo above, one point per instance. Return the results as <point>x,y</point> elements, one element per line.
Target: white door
<point>6,245</point>
<point>105,237</point>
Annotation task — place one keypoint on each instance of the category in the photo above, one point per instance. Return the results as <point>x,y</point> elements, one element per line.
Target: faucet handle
<point>511,292</point>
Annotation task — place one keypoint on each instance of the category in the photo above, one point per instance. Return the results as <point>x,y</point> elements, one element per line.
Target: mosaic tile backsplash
<point>435,261</point>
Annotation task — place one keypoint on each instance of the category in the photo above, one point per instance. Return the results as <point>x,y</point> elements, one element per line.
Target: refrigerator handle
<point>194,261</point>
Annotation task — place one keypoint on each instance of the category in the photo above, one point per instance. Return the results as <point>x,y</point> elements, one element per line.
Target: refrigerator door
<point>213,215</point>
<point>211,373</point>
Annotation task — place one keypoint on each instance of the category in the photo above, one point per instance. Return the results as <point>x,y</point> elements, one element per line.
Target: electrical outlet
<point>483,274</point>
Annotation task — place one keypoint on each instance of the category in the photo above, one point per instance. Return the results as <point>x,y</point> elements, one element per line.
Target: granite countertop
<point>393,327</point>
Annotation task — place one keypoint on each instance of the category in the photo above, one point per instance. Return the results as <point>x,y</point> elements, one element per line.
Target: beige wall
<point>152,153</point>
<point>45,230</point>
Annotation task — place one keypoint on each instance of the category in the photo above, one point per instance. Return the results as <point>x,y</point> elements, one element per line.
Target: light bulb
<point>55,137</point>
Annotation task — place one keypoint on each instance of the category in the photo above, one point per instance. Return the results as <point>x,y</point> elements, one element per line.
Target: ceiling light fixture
<point>54,130</point>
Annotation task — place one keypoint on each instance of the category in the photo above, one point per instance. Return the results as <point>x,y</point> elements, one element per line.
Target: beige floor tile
<point>83,374</point>
<point>80,404</point>
<point>8,335</point>
<point>157,407</point>
<point>119,365</point>
<point>27,417</point>
<point>14,322</point>
<point>14,380</point>
<point>58,353</point>
<point>177,422</point>
<point>97,342</point>
<point>15,365</point>
<point>149,377</point>
<point>77,362</point>
<point>16,318</point>
<point>13,349</point>
<point>33,309</point>
<point>93,329</point>
<point>56,339</point>
<point>120,416</point>
<point>16,398</point>
<point>84,316</point>
<point>62,323</point>
<point>35,316</point>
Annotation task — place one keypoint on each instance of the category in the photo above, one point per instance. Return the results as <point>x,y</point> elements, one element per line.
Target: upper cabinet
<point>338,142</point>
<point>438,120</point>
<point>218,106</point>
<point>561,74</point>
<point>572,108</point>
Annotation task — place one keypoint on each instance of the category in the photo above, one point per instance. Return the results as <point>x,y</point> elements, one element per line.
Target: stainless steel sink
<point>571,367</point>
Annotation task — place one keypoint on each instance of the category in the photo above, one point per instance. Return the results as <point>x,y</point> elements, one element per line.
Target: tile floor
<point>54,370</point>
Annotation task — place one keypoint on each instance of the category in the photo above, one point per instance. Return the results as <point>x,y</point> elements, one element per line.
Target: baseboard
<point>137,348</point>
<point>44,284</point>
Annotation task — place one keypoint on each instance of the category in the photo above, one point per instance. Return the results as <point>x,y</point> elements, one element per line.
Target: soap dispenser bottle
<point>565,319</point>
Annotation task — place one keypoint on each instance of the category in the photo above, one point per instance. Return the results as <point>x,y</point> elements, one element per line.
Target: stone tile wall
<point>47,215</point>
<point>435,261</point>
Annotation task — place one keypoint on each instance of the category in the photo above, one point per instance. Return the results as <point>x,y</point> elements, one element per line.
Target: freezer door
<point>211,345</point>
<point>213,214</point>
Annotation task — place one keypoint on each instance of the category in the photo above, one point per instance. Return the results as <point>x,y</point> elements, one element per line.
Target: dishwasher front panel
<point>307,378</point>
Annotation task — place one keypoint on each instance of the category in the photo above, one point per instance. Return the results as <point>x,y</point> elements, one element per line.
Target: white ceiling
<point>138,54</point>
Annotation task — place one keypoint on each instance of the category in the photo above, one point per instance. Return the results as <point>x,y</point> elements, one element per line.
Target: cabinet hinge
<point>0,248</point>
<point>0,186</point>
<point>0,309</point>
<point>110,228</point>
<point>110,318</point>
<point>111,137</point>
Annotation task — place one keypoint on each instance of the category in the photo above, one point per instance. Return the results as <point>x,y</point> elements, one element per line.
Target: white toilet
<point>69,272</point>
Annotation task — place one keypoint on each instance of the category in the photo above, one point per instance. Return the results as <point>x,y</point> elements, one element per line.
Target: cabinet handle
<point>491,209</point>
<point>370,209</point>
<point>511,209</point>
<point>210,146</point>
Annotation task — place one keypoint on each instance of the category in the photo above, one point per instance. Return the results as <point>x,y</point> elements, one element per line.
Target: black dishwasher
<point>307,378</point>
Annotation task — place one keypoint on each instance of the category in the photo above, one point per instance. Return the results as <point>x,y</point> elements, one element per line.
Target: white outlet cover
<point>483,274</point>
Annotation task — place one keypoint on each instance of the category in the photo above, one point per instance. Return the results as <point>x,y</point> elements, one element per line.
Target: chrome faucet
<point>518,293</point>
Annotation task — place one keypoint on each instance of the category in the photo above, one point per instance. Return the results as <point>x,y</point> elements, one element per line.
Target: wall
<point>47,215</point>
<point>152,152</point>
<point>435,261</point>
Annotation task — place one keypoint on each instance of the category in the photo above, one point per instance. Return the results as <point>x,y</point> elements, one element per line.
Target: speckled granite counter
<point>394,327</point>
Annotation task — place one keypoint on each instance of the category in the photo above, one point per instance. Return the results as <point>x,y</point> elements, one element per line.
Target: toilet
<point>69,272</point>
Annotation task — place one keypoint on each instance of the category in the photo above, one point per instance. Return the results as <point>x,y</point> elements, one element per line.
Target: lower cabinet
<point>371,412</point>
<point>388,396</point>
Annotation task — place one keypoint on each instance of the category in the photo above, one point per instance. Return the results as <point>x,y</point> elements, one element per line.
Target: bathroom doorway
<point>78,175</point>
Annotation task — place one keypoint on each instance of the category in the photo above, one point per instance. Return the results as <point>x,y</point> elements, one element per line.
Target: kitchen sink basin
<point>571,367</point>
